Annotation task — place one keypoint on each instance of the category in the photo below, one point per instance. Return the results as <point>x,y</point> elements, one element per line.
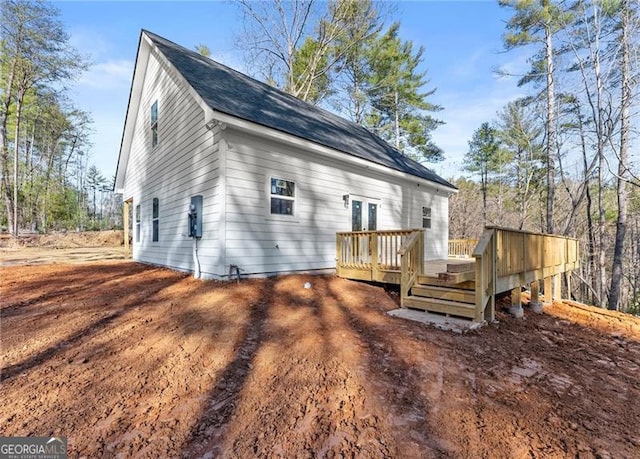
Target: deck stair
<point>451,292</point>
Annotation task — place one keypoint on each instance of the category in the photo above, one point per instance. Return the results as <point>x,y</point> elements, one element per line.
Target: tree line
<point>46,180</point>
<point>558,160</point>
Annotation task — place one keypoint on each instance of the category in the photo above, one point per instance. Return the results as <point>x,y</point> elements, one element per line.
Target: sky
<point>462,42</point>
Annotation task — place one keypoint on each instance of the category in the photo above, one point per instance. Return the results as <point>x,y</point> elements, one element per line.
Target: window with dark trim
<point>426,217</point>
<point>138,223</point>
<point>282,196</point>
<point>154,124</point>
<point>156,220</point>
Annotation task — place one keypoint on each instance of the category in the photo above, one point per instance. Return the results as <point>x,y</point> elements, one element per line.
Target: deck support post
<point>516,303</point>
<point>556,287</point>
<point>535,303</point>
<point>548,296</point>
<point>125,224</point>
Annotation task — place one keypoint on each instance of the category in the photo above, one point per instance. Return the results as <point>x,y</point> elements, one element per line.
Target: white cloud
<point>108,75</point>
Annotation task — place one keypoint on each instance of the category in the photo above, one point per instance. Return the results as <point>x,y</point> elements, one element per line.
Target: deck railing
<point>507,259</point>
<point>462,248</point>
<point>411,263</point>
<point>484,254</point>
<point>371,255</point>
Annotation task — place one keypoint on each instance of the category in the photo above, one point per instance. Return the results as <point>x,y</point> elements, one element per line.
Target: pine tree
<point>483,158</point>
<point>400,110</point>
<point>536,22</point>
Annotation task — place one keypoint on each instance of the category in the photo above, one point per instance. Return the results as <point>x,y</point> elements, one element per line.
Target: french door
<point>364,213</point>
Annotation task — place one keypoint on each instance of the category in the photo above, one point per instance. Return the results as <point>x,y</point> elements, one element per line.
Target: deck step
<point>430,280</point>
<point>457,278</point>
<point>453,308</point>
<point>444,293</point>
<point>461,266</point>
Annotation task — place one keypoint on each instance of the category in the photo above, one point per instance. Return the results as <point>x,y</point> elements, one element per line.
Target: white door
<point>364,213</point>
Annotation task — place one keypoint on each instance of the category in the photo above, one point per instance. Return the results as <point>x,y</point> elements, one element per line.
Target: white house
<point>277,177</point>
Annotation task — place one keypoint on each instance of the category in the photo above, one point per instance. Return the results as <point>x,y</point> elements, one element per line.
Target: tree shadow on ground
<point>208,432</point>
<point>75,282</point>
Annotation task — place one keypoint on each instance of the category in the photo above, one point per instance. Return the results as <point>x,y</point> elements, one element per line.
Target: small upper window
<point>283,194</point>
<point>156,220</point>
<point>426,217</point>
<point>154,124</point>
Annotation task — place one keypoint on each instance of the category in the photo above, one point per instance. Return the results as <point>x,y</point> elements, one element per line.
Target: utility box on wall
<point>195,216</point>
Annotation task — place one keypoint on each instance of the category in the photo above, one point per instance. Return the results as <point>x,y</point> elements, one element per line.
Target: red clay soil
<point>133,361</point>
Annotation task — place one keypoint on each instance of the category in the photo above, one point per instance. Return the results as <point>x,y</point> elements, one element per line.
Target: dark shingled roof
<point>233,93</point>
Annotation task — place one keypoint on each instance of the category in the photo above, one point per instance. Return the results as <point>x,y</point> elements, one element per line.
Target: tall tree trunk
<point>16,160</point>
<point>601,134</point>
<point>621,224</point>
<point>484,179</point>
<point>4,148</point>
<point>397,120</point>
<point>602,275</point>
<point>591,239</point>
<point>551,126</point>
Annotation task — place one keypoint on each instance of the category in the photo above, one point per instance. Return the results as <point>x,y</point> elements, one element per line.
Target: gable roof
<point>230,92</point>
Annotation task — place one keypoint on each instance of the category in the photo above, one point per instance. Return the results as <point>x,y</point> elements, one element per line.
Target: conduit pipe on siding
<point>196,260</point>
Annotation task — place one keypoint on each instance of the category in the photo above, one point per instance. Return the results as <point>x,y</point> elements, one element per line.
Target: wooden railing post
<point>411,263</point>
<point>420,261</point>
<point>373,247</point>
<point>338,254</point>
<point>485,255</point>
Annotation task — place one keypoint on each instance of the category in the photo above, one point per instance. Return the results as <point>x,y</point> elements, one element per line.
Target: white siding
<point>185,162</point>
<point>262,243</point>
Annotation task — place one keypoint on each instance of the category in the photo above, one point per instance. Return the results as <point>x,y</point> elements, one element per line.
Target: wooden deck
<point>502,260</point>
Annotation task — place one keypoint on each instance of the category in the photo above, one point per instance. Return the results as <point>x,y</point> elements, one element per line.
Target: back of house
<point>223,173</point>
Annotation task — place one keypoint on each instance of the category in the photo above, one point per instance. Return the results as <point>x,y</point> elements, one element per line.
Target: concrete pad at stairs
<point>440,321</point>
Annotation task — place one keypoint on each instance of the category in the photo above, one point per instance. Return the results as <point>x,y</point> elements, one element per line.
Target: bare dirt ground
<point>133,361</point>
<point>70,247</point>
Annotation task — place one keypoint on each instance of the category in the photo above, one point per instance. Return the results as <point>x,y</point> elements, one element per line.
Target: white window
<point>282,196</point>
<point>426,217</point>
<point>156,220</point>
<point>154,124</point>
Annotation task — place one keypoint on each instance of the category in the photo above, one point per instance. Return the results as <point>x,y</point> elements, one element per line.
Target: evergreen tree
<point>400,110</point>
<point>483,158</point>
<point>353,69</point>
<point>521,136</point>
